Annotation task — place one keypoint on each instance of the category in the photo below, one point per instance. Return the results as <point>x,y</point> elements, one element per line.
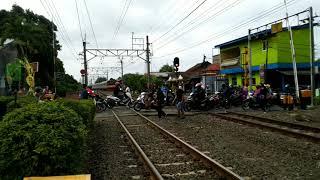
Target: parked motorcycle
<point>287,101</point>
<point>196,104</point>
<point>253,103</point>
<point>140,102</point>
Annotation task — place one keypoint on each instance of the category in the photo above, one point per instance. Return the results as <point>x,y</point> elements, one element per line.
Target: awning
<point>230,62</point>
<point>290,73</point>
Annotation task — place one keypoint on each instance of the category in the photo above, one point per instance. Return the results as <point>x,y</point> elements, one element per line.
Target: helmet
<point>198,85</point>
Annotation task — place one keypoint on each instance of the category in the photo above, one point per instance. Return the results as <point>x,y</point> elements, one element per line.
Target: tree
<point>65,82</point>
<point>33,37</point>
<point>166,68</point>
<point>138,82</point>
<point>100,79</point>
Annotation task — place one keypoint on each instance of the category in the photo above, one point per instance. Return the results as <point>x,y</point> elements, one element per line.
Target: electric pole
<point>266,67</point>
<point>250,60</point>
<point>293,54</point>
<point>148,62</point>
<point>121,62</point>
<point>311,55</point>
<point>85,61</point>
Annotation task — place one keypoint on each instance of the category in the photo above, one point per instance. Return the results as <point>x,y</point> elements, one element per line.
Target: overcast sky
<point>209,23</point>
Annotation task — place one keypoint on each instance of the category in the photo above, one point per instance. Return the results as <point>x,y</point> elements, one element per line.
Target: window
<point>234,81</point>
<point>253,81</point>
<point>264,45</point>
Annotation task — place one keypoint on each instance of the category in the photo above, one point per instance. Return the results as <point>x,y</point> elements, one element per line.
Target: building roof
<point>258,35</point>
<point>213,67</point>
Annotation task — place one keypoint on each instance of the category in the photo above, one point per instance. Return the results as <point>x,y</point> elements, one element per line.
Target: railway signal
<point>176,63</point>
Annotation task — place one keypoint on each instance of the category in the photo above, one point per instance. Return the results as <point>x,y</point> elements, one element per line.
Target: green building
<point>271,58</point>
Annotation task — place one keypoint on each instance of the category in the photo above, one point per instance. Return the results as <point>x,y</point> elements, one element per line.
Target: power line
<point>171,15</point>
<point>64,30</point>
<point>121,18</point>
<point>231,29</point>
<point>164,18</point>
<point>50,13</point>
<point>180,21</point>
<point>79,20</point>
<point>94,35</point>
<point>198,25</point>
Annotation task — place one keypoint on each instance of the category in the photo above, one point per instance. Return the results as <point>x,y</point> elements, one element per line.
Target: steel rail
<point>282,123</point>
<point>220,169</point>
<point>152,169</point>
<point>289,132</point>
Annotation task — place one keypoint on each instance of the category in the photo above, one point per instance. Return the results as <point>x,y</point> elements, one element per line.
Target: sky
<point>188,29</point>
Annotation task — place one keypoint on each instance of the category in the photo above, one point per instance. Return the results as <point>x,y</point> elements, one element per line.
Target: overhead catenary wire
<point>180,21</point>
<point>94,35</point>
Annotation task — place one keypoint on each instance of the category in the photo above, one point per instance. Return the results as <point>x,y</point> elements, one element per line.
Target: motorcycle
<point>219,101</point>
<point>287,101</point>
<point>194,103</point>
<point>253,103</point>
<point>140,102</point>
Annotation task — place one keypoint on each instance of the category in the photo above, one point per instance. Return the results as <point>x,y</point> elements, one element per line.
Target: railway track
<point>167,157</point>
<point>290,129</point>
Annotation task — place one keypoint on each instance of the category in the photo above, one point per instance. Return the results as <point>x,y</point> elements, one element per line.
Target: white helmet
<point>198,84</point>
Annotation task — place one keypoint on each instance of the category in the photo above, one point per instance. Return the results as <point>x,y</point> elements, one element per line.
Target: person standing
<point>84,93</point>
<point>180,102</point>
<point>159,103</point>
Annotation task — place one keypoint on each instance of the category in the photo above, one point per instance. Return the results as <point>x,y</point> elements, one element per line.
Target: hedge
<point>317,100</point>
<point>22,101</point>
<point>41,139</point>
<point>4,100</point>
<point>85,108</point>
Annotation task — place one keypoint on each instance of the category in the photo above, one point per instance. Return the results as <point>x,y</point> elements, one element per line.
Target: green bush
<point>41,139</point>
<point>4,100</point>
<point>317,100</point>
<point>21,102</point>
<point>85,108</point>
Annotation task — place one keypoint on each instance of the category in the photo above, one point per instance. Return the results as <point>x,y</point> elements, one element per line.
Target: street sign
<point>276,28</point>
<point>82,71</point>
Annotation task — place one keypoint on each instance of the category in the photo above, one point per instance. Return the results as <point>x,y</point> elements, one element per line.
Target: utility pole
<point>293,54</point>
<point>85,61</point>
<point>266,66</point>
<point>311,55</point>
<point>121,62</point>
<point>250,60</point>
<point>148,62</point>
<point>54,61</point>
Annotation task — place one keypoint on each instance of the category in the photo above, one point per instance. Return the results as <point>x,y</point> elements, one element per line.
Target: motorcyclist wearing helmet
<point>117,90</point>
<point>199,93</point>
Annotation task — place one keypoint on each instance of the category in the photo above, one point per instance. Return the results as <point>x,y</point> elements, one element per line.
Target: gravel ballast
<point>110,154</point>
<point>251,152</point>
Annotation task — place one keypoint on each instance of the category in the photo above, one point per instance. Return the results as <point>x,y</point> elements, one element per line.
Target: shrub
<point>317,100</point>
<point>4,100</point>
<point>85,108</point>
<point>21,102</point>
<point>41,139</point>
